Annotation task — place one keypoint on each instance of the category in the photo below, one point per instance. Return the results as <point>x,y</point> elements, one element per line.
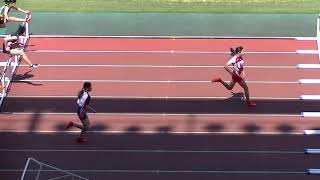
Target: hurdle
<point>10,66</point>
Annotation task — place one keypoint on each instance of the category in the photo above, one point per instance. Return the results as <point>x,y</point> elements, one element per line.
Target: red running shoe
<point>251,104</point>
<point>216,80</point>
<point>28,19</point>
<point>69,125</point>
<point>82,140</point>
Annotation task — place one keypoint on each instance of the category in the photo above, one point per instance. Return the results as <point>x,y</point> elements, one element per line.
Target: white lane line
<point>148,81</point>
<point>309,66</point>
<point>312,151</point>
<point>311,132</point>
<point>309,81</point>
<point>155,132</point>
<point>165,97</point>
<point>310,114</point>
<point>154,66</point>
<point>310,97</point>
<point>307,51</point>
<point>159,171</point>
<point>149,151</point>
<point>173,37</point>
<point>155,114</point>
<point>306,38</point>
<point>313,171</point>
<point>156,51</point>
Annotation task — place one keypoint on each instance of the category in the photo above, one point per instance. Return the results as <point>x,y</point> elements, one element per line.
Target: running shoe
<point>251,104</point>
<point>216,80</point>
<point>28,19</point>
<point>69,125</point>
<point>82,140</point>
<point>33,66</point>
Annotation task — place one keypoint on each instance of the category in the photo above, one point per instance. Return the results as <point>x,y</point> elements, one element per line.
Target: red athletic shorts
<point>236,78</point>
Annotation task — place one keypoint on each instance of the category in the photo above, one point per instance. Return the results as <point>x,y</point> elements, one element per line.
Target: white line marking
<point>160,171</point>
<point>154,66</point>
<point>313,171</point>
<point>155,114</point>
<point>310,97</point>
<point>149,81</point>
<point>156,51</point>
<point>307,51</point>
<point>309,81</point>
<point>164,97</point>
<point>312,151</point>
<point>312,132</point>
<point>306,38</point>
<point>172,37</point>
<point>309,66</point>
<point>149,151</point>
<point>310,114</point>
<point>155,132</point>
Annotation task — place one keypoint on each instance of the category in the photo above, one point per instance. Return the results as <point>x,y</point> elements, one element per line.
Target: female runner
<point>237,74</point>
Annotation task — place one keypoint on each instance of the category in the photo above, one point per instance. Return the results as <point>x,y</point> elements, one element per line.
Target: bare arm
<point>5,13</point>
<point>21,10</point>
<point>91,108</point>
<point>226,67</point>
<point>243,75</point>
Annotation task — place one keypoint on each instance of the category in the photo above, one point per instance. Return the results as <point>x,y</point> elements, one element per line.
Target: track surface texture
<point>158,114</point>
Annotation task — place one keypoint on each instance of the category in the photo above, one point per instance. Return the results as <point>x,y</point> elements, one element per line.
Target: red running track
<point>201,142</point>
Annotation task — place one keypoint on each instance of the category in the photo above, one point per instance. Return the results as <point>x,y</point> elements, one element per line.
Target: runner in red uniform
<point>238,75</point>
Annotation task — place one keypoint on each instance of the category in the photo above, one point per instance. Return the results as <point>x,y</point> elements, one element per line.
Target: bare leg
<point>16,19</point>
<point>84,127</point>
<point>228,86</point>
<point>243,84</point>
<point>26,59</point>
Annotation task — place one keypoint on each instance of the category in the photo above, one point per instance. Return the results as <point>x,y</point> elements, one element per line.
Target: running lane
<point>127,44</point>
<point>178,138</point>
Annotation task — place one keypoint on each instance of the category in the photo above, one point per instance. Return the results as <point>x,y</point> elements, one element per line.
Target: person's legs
<point>15,19</point>
<point>243,84</point>
<point>228,86</point>
<point>86,126</point>
<point>82,114</point>
<point>23,56</point>
<point>225,84</point>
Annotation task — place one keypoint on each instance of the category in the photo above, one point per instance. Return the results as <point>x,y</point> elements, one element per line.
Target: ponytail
<point>86,85</point>
<point>232,52</point>
<point>80,93</point>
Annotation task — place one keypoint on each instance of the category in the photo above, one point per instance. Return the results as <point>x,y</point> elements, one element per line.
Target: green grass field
<point>202,6</point>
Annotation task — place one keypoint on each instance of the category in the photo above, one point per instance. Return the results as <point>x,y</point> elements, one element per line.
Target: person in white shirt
<point>237,73</point>
<point>4,11</point>
<point>12,46</point>
<point>83,107</point>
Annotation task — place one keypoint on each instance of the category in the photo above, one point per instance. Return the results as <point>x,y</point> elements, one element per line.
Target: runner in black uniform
<point>83,106</point>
